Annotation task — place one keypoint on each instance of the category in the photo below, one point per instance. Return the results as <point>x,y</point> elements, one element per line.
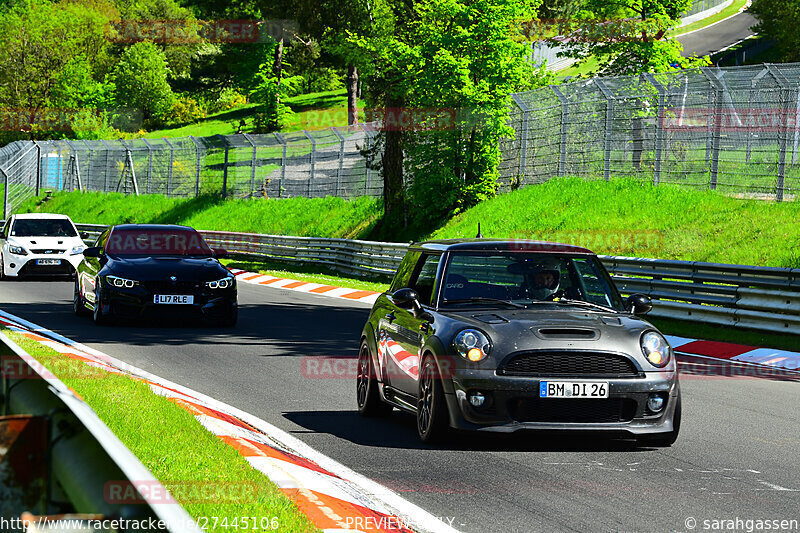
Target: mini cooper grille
<point>578,410</point>
<point>592,364</point>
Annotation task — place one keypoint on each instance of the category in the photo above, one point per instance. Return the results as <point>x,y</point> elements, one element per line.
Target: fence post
<point>171,163</point>
<point>283,162</point>
<point>108,164</point>
<point>149,163</point>
<point>197,171</point>
<point>252,165</point>
<point>368,138</point>
<point>609,128</point>
<point>5,194</point>
<point>77,167</point>
<point>659,129</point>
<point>38,166</point>
<point>523,143</point>
<point>341,161</point>
<point>562,144</point>
<point>753,84</point>
<point>715,93</point>
<point>786,101</point>
<point>225,168</point>
<point>88,166</point>
<point>313,159</point>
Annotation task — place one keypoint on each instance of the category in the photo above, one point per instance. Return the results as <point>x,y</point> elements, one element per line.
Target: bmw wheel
<point>431,407</point>
<point>78,303</point>
<point>99,317</point>
<point>367,394</point>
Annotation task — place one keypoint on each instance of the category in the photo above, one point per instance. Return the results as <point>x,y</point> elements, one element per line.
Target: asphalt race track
<point>717,36</point>
<point>737,456</point>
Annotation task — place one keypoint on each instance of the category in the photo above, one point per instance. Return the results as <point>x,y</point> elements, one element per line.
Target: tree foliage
<point>141,81</point>
<point>779,20</point>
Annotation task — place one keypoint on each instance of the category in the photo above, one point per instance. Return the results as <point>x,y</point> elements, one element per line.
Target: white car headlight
<point>115,281</point>
<point>472,345</point>
<point>656,349</point>
<point>224,283</point>
<point>77,249</point>
<point>17,250</point>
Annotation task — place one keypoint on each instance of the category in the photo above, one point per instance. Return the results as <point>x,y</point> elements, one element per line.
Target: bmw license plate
<point>48,262</point>
<point>573,389</point>
<point>179,299</point>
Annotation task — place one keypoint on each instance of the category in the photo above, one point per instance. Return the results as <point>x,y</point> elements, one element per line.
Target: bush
<point>185,110</point>
<point>228,98</point>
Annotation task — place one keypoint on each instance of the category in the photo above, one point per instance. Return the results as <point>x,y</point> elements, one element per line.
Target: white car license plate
<point>573,389</point>
<point>179,299</point>
<point>48,262</point>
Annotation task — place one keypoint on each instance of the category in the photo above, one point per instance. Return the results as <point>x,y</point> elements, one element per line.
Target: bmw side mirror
<point>93,251</point>
<point>639,304</point>
<point>405,298</point>
<point>220,252</point>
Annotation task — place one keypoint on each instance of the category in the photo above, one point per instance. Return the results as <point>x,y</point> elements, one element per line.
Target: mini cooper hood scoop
<point>566,333</point>
<point>490,318</point>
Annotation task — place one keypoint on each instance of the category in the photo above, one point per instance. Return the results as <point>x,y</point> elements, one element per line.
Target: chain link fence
<point>733,129</point>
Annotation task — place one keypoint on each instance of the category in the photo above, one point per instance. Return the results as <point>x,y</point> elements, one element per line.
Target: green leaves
<point>141,80</point>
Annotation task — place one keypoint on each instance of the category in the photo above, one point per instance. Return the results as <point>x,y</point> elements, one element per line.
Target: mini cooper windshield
<point>157,242</point>
<point>523,278</point>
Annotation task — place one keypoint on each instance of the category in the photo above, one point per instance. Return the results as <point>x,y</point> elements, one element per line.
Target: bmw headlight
<point>472,345</point>
<point>17,250</point>
<point>77,249</point>
<point>118,282</point>
<point>655,348</point>
<point>224,283</point>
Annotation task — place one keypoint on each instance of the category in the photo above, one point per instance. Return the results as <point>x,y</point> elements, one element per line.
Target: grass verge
<point>307,272</point>
<point>173,445</point>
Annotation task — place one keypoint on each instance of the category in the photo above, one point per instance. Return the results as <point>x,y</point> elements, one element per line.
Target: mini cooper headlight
<point>17,250</point>
<point>77,249</point>
<point>472,345</point>
<point>224,283</point>
<point>655,348</point>
<point>115,281</point>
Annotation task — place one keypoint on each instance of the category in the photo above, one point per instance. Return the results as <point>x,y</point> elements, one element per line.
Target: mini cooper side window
<point>402,277</point>
<point>425,279</point>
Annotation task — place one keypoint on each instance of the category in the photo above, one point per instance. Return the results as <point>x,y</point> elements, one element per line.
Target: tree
<point>38,39</point>
<point>141,80</point>
<point>446,73</point>
<point>630,36</point>
<point>779,20</point>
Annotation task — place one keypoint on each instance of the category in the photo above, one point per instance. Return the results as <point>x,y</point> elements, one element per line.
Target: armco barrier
<point>741,296</point>
<point>83,455</point>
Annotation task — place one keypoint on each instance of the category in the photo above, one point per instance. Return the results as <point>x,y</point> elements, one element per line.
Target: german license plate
<point>177,299</point>
<point>48,262</point>
<point>573,389</point>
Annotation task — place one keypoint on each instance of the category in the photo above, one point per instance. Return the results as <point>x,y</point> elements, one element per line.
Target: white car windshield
<point>43,227</point>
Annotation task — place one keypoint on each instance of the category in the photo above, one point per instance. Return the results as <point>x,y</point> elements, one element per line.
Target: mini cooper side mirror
<point>639,304</point>
<point>405,298</point>
<point>84,235</point>
<point>220,252</point>
<point>93,251</point>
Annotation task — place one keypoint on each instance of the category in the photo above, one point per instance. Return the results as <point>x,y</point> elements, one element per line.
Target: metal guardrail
<point>82,454</point>
<point>740,296</point>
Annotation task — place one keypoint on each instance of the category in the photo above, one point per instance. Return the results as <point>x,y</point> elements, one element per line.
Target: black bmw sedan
<point>137,271</point>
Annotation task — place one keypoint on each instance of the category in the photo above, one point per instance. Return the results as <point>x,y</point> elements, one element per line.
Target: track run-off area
<point>291,362</point>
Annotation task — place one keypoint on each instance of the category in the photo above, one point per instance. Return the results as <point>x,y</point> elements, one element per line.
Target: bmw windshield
<point>524,278</point>
<point>157,243</point>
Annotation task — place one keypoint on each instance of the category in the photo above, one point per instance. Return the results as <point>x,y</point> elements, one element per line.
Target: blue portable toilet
<point>52,171</point>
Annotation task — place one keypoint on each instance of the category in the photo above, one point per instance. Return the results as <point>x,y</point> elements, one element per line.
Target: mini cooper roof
<point>500,245</point>
<point>156,227</point>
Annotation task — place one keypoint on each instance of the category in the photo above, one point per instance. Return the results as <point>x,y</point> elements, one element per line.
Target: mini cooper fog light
<point>477,399</point>
<point>655,403</point>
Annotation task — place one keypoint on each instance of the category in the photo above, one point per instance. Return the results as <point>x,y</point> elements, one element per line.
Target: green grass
<point>316,217</point>
<point>633,218</point>
<point>314,111</point>
<point>306,272</point>
<point>183,455</point>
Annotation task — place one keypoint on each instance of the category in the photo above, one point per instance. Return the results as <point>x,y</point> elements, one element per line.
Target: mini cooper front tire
<point>78,303</point>
<point>432,421</point>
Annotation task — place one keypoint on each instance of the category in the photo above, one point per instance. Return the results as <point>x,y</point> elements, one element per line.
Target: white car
<point>39,245</point>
